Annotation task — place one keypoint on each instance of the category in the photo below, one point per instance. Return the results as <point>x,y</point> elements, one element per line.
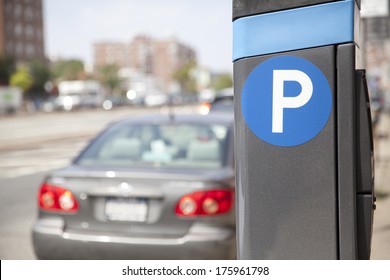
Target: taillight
<point>205,203</point>
<point>55,198</point>
<point>204,108</point>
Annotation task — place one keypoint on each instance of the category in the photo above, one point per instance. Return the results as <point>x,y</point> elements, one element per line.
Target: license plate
<point>129,209</point>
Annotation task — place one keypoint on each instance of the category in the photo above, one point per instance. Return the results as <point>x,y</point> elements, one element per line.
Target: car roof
<point>217,117</point>
<point>227,92</point>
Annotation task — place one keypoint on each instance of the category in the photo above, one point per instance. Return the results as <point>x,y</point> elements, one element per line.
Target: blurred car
<point>156,99</point>
<point>223,102</point>
<point>151,187</point>
<point>50,104</point>
<point>112,102</point>
<point>206,95</point>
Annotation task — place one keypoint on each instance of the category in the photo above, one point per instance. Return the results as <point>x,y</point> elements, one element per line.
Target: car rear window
<point>170,146</point>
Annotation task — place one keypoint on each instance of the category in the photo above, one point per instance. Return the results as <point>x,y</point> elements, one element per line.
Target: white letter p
<point>280,102</point>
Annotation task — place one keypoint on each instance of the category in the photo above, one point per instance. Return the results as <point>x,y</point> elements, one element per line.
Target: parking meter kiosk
<point>303,138</point>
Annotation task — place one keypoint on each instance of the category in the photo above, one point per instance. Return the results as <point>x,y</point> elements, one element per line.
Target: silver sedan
<point>152,187</point>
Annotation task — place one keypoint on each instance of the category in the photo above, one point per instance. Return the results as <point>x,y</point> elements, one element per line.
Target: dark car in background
<point>222,102</point>
<point>151,187</point>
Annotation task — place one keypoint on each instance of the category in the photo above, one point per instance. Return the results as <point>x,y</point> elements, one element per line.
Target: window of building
<point>9,30</point>
<point>29,31</point>
<point>10,47</point>
<point>17,11</point>
<point>8,8</point>
<point>30,50</point>
<point>37,15</point>
<point>28,14</point>
<point>19,49</point>
<point>18,29</point>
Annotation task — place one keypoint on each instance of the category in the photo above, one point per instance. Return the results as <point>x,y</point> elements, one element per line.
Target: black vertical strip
<point>346,151</point>
<point>335,96</point>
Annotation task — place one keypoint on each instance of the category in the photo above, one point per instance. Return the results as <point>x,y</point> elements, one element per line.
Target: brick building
<point>147,56</point>
<point>21,30</point>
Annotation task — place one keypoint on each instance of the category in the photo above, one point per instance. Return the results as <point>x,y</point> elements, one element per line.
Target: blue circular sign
<point>286,101</point>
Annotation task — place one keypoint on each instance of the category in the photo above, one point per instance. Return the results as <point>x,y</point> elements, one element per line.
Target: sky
<point>72,26</point>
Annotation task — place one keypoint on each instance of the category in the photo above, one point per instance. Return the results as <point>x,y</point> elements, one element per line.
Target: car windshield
<point>188,146</point>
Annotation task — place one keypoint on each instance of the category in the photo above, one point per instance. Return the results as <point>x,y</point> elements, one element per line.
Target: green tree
<point>222,81</point>
<point>40,74</point>
<point>7,67</point>
<point>68,69</point>
<point>185,78</point>
<point>108,76</point>
<point>22,78</point>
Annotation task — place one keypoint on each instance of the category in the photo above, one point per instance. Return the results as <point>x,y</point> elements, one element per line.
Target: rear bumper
<point>50,241</point>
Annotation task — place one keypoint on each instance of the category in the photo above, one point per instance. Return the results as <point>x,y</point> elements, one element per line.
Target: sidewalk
<point>381,236</point>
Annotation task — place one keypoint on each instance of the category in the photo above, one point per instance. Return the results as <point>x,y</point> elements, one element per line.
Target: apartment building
<point>146,56</point>
<point>21,30</point>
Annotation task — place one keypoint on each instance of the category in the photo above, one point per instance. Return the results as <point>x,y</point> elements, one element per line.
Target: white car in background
<point>156,99</point>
